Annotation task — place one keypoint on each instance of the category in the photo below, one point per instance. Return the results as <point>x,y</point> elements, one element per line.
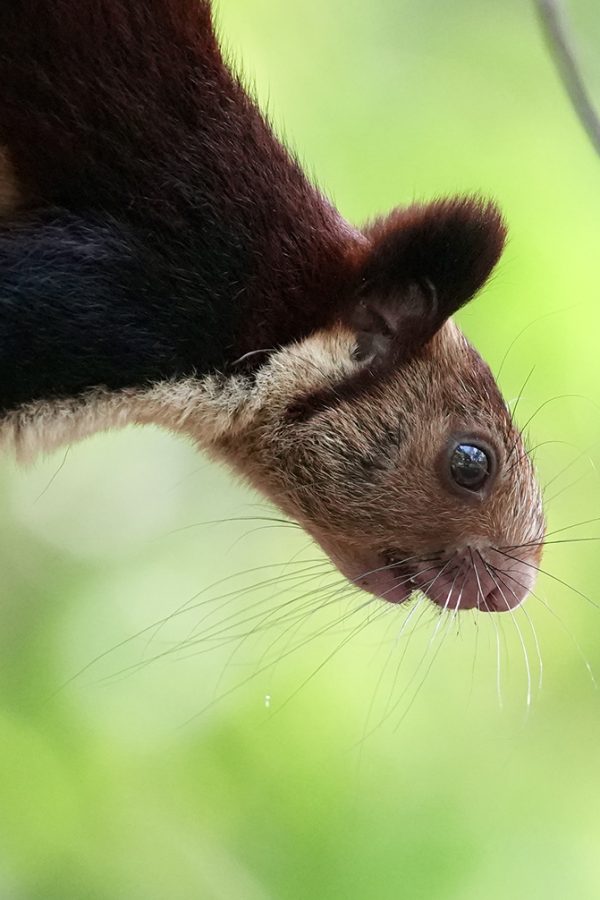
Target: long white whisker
<point>182,609</point>
<point>567,630</point>
<point>441,642</point>
<point>536,642</point>
<point>334,652</point>
<point>476,624</point>
<point>398,583</point>
<point>519,633</point>
<point>388,710</point>
<point>497,633</point>
<point>499,575</point>
<point>550,575</point>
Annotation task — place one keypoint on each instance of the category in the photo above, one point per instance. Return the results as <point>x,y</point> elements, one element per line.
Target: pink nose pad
<point>483,580</point>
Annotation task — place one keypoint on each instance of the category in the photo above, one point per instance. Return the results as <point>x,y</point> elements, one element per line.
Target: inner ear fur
<point>424,262</point>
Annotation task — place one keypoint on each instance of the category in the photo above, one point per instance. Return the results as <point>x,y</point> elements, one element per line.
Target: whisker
<point>221,627</point>
<point>543,406</point>
<point>563,490</point>
<point>550,575</point>
<point>298,618</point>
<point>307,568</point>
<point>431,640</point>
<point>273,520</point>
<point>337,584</point>
<point>526,328</point>
<point>520,394</point>
<point>393,648</point>
<point>257,530</point>
<point>421,605</point>
<point>529,544</point>
<point>360,627</point>
<point>250,678</point>
<point>567,630</point>
<point>574,525</point>
<point>55,475</point>
<point>476,624</point>
<point>573,462</point>
<point>184,650</point>
<point>449,620</point>
<point>217,630</point>
<point>428,588</point>
<point>536,642</point>
<point>307,575</point>
<point>529,451</point>
<point>185,607</point>
<point>388,710</point>
<point>499,573</point>
<point>497,633</point>
<point>398,582</point>
<point>518,630</point>
<point>240,644</point>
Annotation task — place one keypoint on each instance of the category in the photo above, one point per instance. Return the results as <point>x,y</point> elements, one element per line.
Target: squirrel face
<point>417,479</point>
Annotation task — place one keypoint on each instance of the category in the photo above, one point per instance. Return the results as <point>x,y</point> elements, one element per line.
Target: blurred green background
<point>325,754</point>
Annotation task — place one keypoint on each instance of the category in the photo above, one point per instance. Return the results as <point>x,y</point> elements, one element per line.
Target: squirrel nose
<point>482,579</point>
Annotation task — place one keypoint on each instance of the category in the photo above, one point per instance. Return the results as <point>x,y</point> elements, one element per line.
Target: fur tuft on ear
<point>424,263</point>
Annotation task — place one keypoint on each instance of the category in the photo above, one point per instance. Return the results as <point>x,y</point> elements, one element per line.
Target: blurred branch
<point>561,45</point>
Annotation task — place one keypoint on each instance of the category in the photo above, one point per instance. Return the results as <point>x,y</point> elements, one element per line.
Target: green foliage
<point>150,774</point>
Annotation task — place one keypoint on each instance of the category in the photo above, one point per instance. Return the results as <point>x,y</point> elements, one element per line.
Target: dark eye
<point>470,466</point>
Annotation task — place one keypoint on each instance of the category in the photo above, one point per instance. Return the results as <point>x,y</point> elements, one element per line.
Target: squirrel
<point>164,259</point>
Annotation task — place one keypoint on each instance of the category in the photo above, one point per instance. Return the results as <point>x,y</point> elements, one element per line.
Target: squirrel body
<point>164,259</point>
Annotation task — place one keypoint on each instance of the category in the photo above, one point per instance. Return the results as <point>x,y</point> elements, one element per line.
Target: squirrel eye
<point>470,466</point>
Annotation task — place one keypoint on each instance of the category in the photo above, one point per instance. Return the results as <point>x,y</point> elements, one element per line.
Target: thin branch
<point>562,48</point>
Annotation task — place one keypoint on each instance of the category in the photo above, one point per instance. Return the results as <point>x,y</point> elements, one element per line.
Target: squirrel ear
<point>424,263</point>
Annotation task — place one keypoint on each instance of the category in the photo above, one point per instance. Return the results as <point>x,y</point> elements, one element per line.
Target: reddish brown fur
<point>10,191</point>
<point>155,129</point>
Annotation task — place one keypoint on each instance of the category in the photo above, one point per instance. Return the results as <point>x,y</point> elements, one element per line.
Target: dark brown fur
<point>139,117</point>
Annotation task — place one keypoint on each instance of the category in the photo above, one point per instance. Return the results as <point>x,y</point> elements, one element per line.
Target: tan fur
<point>457,392</point>
<point>214,411</point>
<point>10,190</point>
